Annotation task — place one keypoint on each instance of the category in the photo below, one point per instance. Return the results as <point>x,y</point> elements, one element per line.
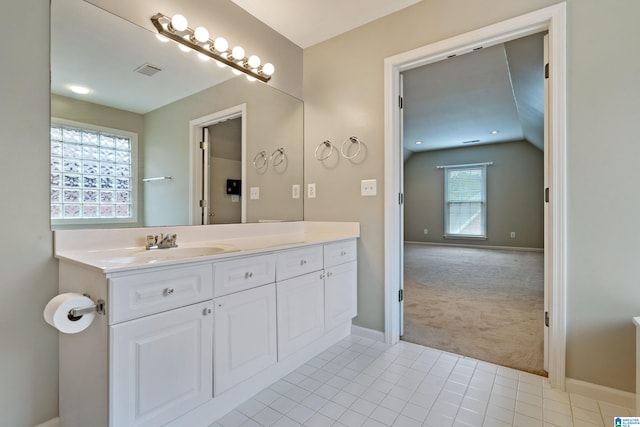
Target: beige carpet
<point>482,303</point>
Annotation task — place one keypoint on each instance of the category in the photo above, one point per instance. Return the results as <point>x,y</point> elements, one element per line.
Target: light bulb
<point>254,61</point>
<point>220,44</point>
<point>238,52</point>
<point>201,34</point>
<point>179,22</point>
<point>268,69</point>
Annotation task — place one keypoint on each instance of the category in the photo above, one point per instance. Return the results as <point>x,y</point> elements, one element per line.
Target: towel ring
<point>328,144</point>
<point>260,160</point>
<point>277,155</point>
<point>353,140</point>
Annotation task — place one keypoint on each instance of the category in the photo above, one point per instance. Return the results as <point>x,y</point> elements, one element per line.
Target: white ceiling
<point>308,22</point>
<point>459,101</point>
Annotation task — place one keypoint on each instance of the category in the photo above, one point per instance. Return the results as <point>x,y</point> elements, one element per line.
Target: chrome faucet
<point>165,242</point>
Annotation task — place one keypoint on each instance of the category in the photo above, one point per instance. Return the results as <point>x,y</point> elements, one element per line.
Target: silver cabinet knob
<point>248,275</point>
<point>206,311</point>
<point>169,291</point>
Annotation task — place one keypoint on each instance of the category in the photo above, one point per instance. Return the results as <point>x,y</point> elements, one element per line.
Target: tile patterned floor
<point>360,382</point>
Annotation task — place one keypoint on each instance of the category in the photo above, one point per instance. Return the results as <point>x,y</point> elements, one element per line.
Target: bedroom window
<point>465,204</point>
<point>93,177</point>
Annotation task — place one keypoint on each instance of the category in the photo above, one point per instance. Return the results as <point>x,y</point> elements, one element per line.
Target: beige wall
<point>28,346</point>
<point>343,92</point>
<point>515,185</point>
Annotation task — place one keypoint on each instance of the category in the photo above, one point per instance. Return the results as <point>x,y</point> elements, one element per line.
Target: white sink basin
<point>143,256</point>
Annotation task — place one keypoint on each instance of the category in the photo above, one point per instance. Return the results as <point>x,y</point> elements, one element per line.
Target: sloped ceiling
<point>460,101</point>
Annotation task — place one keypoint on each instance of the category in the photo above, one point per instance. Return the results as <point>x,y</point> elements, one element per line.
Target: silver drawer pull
<point>168,291</point>
<point>248,275</point>
<point>303,261</point>
<point>206,311</point>
<point>343,253</point>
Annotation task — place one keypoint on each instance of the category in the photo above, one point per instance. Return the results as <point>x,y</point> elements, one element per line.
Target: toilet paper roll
<point>56,313</point>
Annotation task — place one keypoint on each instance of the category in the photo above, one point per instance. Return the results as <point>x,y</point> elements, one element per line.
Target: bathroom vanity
<point>190,332</point>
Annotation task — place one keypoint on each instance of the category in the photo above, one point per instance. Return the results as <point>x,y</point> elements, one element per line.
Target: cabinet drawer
<point>340,252</point>
<point>299,261</point>
<point>153,292</point>
<point>241,274</point>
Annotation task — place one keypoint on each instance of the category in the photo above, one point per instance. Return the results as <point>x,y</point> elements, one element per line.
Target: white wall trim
<point>553,19</point>
<point>371,334</point>
<point>598,392</point>
<point>54,422</point>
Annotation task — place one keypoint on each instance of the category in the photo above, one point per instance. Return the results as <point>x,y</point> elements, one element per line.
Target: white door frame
<point>552,19</point>
<point>195,159</point>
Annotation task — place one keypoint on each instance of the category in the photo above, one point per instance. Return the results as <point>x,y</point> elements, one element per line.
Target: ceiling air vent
<point>147,69</point>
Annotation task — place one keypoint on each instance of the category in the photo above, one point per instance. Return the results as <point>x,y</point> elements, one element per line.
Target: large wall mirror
<point>153,104</point>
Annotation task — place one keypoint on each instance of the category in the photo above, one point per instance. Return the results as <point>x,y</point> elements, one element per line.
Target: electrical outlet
<point>368,187</point>
<point>426,231</point>
<point>513,234</point>
<point>311,191</point>
<point>295,191</point>
<point>254,193</point>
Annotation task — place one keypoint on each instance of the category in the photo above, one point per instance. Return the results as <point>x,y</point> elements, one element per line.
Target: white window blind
<point>93,177</point>
<point>465,204</point>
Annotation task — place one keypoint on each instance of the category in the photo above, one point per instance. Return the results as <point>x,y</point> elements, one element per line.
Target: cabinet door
<point>340,294</point>
<point>300,312</point>
<point>244,335</point>
<point>160,366</point>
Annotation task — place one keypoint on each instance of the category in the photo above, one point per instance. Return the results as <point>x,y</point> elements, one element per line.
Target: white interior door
<point>206,173</point>
<point>401,207</point>
<point>547,223</point>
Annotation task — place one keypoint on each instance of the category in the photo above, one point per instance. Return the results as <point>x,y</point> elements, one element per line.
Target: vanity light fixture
<point>177,29</point>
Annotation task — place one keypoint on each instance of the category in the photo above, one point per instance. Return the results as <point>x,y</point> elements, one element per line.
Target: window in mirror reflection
<point>93,177</point>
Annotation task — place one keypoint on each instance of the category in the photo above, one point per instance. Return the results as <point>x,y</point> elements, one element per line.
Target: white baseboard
<point>54,422</point>
<point>598,392</point>
<point>372,334</point>
<point>462,245</point>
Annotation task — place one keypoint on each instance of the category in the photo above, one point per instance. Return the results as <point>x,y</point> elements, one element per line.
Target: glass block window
<point>92,174</point>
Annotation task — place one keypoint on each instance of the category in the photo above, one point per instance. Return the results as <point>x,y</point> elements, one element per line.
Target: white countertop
<point>119,250</point>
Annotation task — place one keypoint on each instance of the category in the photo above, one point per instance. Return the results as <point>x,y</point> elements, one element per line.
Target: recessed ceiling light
<point>494,132</point>
<point>418,142</point>
<point>81,90</point>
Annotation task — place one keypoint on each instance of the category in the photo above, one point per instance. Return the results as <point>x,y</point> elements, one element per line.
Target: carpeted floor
<point>482,303</point>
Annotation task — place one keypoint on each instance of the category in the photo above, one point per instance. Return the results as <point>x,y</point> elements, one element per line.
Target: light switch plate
<point>295,191</point>
<point>368,187</point>
<point>254,193</point>
<point>311,191</point>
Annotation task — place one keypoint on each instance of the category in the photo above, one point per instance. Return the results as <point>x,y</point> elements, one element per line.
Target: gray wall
<point>515,185</point>
<point>63,107</point>
<point>28,346</point>
<point>274,119</point>
<point>343,92</point>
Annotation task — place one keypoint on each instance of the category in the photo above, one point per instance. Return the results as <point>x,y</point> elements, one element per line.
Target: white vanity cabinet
<point>160,365</point>
<point>182,344</point>
<point>340,283</point>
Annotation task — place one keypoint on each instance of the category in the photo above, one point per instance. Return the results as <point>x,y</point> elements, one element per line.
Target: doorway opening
<point>551,19</point>
<point>217,196</point>
<point>473,137</point>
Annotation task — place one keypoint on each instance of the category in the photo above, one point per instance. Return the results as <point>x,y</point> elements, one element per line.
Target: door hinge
<point>546,70</point>
<point>203,203</point>
<point>204,145</point>
<point>546,319</point>
<point>400,102</point>
<point>400,295</point>
<point>546,195</point>
<point>400,198</point>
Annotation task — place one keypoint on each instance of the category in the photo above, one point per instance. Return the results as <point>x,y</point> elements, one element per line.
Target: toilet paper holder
<point>99,307</point>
